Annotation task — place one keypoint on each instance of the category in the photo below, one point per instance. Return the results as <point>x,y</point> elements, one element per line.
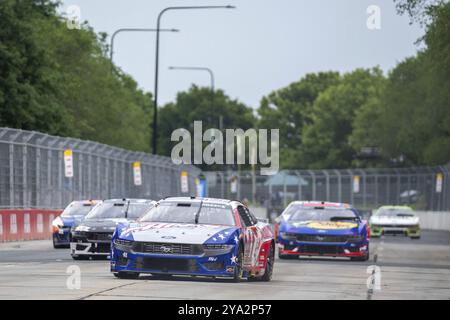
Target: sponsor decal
<point>184,182</point>
<point>356,180</point>
<point>439,182</point>
<point>326,225</point>
<point>153,226</point>
<point>168,237</point>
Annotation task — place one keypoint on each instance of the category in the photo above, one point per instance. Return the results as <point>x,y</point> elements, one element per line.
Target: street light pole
<point>111,53</point>
<point>158,24</point>
<point>211,75</point>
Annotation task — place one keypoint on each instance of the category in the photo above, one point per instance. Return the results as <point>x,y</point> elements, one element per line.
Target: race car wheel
<point>161,276</point>
<point>238,269</point>
<point>287,256</point>
<point>100,258</point>
<point>363,258</point>
<point>58,246</point>
<point>126,275</point>
<point>269,264</point>
<point>267,276</point>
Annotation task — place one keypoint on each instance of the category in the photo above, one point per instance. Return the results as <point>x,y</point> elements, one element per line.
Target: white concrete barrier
<point>434,220</point>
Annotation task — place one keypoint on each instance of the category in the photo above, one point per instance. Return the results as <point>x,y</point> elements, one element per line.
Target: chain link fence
<point>32,172</point>
<point>424,188</point>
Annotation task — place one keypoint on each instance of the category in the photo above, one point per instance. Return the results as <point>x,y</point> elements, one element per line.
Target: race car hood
<point>102,225</point>
<point>394,220</point>
<point>177,233</point>
<point>322,227</point>
<point>71,221</point>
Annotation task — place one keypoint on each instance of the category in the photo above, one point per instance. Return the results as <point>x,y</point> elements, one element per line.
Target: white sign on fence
<point>234,184</point>
<point>356,180</point>
<point>68,163</point>
<point>439,182</point>
<point>137,173</point>
<point>184,182</point>
<point>198,187</point>
<point>1,225</point>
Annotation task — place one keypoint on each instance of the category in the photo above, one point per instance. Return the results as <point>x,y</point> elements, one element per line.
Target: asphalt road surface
<point>399,268</point>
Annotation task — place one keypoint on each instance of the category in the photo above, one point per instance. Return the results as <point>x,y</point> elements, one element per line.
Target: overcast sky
<point>259,47</point>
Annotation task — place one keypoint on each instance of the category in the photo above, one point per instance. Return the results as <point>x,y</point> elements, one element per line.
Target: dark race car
<point>71,216</point>
<point>92,237</point>
<point>197,237</point>
<point>323,229</point>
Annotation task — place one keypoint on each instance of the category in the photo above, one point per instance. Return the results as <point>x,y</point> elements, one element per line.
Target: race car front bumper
<point>408,231</point>
<point>126,260</point>
<point>349,250</point>
<point>90,244</point>
<point>61,237</point>
<point>90,249</point>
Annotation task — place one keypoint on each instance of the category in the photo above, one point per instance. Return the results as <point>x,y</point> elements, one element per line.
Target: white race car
<point>395,220</point>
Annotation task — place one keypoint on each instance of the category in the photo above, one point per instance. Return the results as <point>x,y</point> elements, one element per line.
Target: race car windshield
<point>117,210</point>
<point>323,215</point>
<point>394,213</point>
<point>174,212</point>
<point>77,209</point>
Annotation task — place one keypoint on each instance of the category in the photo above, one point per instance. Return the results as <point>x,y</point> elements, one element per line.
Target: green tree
<point>418,10</point>
<point>26,88</point>
<point>437,40</point>
<point>290,110</point>
<point>410,123</point>
<point>326,141</point>
<point>198,104</point>
<point>60,81</point>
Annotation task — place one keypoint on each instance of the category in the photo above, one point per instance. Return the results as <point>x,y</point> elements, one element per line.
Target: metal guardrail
<point>366,189</point>
<point>32,172</point>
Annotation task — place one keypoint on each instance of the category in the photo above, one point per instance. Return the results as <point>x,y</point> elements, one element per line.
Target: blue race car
<point>323,229</point>
<point>197,237</point>
<point>71,216</point>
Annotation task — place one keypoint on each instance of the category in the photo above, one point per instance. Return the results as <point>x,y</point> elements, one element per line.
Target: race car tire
<point>100,257</point>
<point>126,275</point>
<point>58,246</point>
<point>363,258</point>
<point>160,276</point>
<point>267,276</point>
<point>239,270</point>
<point>286,256</point>
<point>80,257</point>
